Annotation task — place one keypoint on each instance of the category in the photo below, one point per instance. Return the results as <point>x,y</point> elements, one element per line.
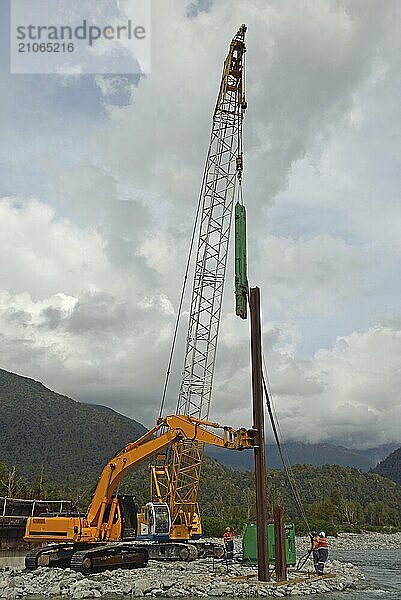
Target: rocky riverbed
<point>198,579</point>
<point>169,580</point>
<point>201,578</point>
<point>364,541</point>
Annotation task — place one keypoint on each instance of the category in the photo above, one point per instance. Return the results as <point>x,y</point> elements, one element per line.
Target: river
<point>382,570</point>
<point>12,558</point>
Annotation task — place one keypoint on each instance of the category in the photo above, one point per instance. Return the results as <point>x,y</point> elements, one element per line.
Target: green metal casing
<point>250,550</point>
<point>241,280</point>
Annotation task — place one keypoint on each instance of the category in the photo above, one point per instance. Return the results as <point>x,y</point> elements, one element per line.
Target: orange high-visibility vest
<point>323,543</point>
<point>228,536</point>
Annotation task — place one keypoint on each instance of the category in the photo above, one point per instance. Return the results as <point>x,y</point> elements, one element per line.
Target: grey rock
<point>216,591</point>
<point>145,585</point>
<point>79,594</point>
<point>169,580</point>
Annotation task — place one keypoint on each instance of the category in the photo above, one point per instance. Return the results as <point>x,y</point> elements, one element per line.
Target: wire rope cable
<point>289,473</point>
<point>182,295</point>
<point>280,447</point>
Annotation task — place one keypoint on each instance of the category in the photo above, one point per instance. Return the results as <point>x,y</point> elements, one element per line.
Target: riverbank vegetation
<point>335,498</point>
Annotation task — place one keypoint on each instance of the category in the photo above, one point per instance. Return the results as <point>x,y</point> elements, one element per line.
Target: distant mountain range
<point>39,427</point>
<point>309,454</point>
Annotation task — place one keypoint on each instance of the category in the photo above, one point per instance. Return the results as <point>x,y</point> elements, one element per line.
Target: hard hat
<point>314,532</point>
<point>227,529</point>
<point>322,534</point>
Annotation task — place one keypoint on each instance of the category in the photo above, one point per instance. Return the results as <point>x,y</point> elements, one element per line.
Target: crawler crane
<point>176,475</point>
<point>109,535</point>
<point>105,537</point>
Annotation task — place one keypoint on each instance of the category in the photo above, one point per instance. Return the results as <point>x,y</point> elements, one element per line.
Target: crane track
<point>173,551</point>
<point>54,555</point>
<point>109,556</point>
<point>116,555</point>
<point>187,552</point>
<point>30,559</point>
<point>78,561</point>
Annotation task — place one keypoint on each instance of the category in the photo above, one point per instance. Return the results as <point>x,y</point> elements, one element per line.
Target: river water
<point>382,569</point>
<point>12,558</point>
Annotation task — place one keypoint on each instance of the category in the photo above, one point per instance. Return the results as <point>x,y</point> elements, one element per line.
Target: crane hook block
<point>241,280</point>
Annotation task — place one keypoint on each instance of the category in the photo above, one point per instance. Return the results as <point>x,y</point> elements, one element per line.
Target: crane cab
<point>154,522</point>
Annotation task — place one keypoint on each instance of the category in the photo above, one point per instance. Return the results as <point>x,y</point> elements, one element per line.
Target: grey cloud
<point>21,355</point>
<point>313,57</point>
<point>197,6</point>
<point>52,317</point>
<point>20,317</point>
<point>96,313</point>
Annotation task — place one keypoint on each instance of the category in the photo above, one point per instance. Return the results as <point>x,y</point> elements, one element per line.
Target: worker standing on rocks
<point>228,539</point>
<point>323,550</point>
<point>315,548</point>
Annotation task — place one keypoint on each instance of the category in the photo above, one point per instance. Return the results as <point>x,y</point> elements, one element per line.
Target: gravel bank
<point>365,541</point>
<point>166,580</point>
<point>197,579</point>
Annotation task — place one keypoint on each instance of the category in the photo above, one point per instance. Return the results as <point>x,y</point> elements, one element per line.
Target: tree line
<point>334,498</point>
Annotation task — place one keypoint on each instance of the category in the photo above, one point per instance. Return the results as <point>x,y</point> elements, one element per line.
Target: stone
<point>144,585</point>
<point>171,580</point>
<point>79,594</point>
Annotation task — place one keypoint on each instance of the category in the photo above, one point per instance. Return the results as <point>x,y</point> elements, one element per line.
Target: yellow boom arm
<point>177,427</point>
<point>100,523</point>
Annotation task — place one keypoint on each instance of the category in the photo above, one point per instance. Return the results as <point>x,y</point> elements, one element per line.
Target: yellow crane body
<point>107,518</point>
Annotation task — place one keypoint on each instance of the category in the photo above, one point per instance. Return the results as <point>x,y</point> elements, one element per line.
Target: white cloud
<point>83,325</point>
<point>305,62</point>
<point>44,255</point>
<point>357,400</point>
<point>319,274</point>
<point>160,253</point>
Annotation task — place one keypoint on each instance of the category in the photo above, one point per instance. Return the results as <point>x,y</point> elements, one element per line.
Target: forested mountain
<point>332,492</point>
<point>59,446</point>
<point>391,466</point>
<point>39,428</point>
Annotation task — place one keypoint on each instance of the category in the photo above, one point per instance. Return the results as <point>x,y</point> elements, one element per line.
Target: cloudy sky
<point>98,186</point>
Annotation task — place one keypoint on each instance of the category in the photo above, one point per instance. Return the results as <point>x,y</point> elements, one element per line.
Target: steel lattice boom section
<point>180,475</point>
<point>215,225</point>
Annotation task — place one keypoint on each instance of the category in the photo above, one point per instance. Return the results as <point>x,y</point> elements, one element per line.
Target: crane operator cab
<point>154,522</point>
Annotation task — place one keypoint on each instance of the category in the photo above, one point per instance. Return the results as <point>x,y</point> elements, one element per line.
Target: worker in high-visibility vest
<point>228,539</point>
<point>323,549</point>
